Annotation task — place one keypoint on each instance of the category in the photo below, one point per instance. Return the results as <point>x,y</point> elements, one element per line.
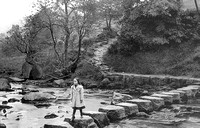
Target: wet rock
<point>84,122</point>
<point>167,98</point>
<point>100,118</point>
<point>4,85</point>
<point>130,109</point>
<point>5,107</point>
<point>4,102</point>
<point>50,116</point>
<point>143,105</point>
<point>142,114</point>
<point>2,125</point>
<point>113,112</point>
<point>57,125</point>
<point>37,96</point>
<point>12,100</point>
<point>156,101</point>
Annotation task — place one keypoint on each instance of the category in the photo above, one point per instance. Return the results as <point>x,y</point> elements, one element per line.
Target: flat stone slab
<point>176,96</point>
<point>167,98</point>
<point>79,122</point>
<point>130,109</point>
<point>113,112</point>
<point>143,105</point>
<point>57,125</point>
<point>156,101</point>
<point>100,118</point>
<point>198,86</point>
<point>182,93</point>
<point>190,91</point>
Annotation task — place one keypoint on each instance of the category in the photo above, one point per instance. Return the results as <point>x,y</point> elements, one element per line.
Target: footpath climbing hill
<point>100,50</point>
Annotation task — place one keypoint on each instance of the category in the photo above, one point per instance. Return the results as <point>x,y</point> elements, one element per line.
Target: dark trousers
<point>74,111</point>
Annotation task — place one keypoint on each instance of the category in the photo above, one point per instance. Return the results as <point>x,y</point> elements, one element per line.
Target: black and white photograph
<point>99,63</point>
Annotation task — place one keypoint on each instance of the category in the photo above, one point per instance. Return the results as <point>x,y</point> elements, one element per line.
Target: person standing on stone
<point>77,97</point>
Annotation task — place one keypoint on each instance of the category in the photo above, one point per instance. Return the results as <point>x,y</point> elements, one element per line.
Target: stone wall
<point>125,80</point>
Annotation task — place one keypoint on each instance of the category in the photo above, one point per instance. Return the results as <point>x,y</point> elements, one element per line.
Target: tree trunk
<point>196,4</point>
<point>67,35</point>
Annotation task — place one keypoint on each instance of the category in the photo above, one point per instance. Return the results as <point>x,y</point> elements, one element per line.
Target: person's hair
<point>78,80</point>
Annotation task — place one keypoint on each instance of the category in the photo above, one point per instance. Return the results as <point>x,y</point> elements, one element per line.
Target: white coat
<point>77,94</point>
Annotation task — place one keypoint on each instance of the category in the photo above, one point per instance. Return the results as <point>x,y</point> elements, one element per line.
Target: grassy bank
<point>183,60</point>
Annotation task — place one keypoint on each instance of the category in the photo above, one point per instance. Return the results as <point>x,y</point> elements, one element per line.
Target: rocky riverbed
<point>55,111</point>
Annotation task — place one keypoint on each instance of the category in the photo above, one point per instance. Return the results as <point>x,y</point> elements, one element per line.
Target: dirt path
<point>100,50</point>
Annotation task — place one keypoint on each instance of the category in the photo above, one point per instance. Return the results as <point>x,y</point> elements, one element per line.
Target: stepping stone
<point>182,93</point>
<point>190,91</point>
<point>143,105</point>
<point>79,122</point>
<point>130,109</point>
<point>100,118</point>
<point>156,101</point>
<point>176,96</point>
<point>198,86</point>
<point>57,125</point>
<point>167,98</point>
<point>194,89</point>
<point>113,112</point>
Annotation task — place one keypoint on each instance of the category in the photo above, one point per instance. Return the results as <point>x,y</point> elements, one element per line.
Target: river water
<point>29,116</point>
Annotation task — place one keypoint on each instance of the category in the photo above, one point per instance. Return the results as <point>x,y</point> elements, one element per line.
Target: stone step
<point>130,108</point>
<point>113,112</point>
<point>167,98</point>
<point>156,101</point>
<point>100,118</point>
<point>79,122</point>
<point>182,93</point>
<point>190,91</point>
<point>143,105</point>
<point>176,96</point>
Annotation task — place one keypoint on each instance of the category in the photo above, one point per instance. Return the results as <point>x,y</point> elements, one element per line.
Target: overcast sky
<point>13,12</point>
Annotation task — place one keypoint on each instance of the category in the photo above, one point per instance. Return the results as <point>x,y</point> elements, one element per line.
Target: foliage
<point>109,10</point>
<point>149,24</point>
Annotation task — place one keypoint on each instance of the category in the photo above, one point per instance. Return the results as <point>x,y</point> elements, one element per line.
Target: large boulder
<point>100,118</point>
<point>37,96</point>
<point>4,84</point>
<point>31,71</point>
<point>26,69</point>
<point>36,72</point>
<point>113,112</point>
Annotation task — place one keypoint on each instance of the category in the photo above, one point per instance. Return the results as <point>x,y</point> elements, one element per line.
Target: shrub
<point>88,71</point>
